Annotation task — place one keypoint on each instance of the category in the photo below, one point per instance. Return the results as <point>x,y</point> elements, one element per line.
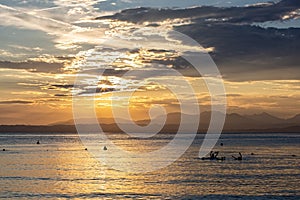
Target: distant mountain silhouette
<point>37,129</point>
<point>234,122</point>
<point>294,120</point>
<point>265,117</point>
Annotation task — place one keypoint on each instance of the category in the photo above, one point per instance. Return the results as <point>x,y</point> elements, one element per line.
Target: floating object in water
<point>38,142</point>
<point>85,149</point>
<point>4,150</point>
<point>105,148</point>
<point>293,155</point>
<point>205,158</point>
<point>221,144</point>
<point>252,154</point>
<point>208,158</point>
<point>213,156</point>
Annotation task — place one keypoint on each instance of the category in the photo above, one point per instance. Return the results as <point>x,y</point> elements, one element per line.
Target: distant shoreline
<point>71,129</point>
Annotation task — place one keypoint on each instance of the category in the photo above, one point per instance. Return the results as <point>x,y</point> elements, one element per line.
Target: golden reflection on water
<point>63,169</point>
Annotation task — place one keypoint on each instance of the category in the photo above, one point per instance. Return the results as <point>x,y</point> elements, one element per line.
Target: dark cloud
<point>256,13</point>
<point>61,95</point>
<point>40,65</point>
<point>96,91</point>
<point>84,88</point>
<point>16,102</point>
<point>250,51</point>
<point>242,51</point>
<point>32,66</point>
<point>63,86</point>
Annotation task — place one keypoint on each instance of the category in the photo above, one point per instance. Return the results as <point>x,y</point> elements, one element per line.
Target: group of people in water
<point>213,155</point>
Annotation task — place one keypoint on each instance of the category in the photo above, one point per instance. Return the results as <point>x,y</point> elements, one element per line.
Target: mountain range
<point>234,122</point>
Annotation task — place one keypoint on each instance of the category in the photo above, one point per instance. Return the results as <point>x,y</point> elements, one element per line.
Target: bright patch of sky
<point>292,23</point>
<point>19,44</point>
<point>28,3</point>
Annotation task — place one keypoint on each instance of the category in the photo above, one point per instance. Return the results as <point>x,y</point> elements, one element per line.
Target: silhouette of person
<point>213,155</point>
<point>240,157</point>
<point>216,154</point>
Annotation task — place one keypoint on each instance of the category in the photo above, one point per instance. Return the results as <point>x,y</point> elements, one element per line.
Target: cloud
<point>42,64</point>
<point>15,17</point>
<point>16,102</point>
<point>66,35</point>
<point>242,51</point>
<point>61,95</point>
<point>32,66</point>
<point>116,5</point>
<point>63,86</point>
<point>6,53</point>
<point>37,49</point>
<point>255,13</point>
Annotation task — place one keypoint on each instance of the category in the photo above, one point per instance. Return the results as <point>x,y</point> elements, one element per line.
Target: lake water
<point>60,168</point>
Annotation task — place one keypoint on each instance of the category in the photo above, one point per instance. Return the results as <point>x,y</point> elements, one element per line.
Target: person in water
<point>213,155</point>
<point>240,157</point>
<point>38,142</point>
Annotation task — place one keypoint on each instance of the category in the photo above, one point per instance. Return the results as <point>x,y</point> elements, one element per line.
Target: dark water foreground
<point>60,168</point>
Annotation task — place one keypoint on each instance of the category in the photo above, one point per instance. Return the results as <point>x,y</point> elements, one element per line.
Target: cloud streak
<point>16,102</point>
<point>31,66</point>
<point>67,35</point>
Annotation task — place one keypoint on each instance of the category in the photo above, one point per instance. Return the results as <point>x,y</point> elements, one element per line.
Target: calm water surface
<point>60,168</point>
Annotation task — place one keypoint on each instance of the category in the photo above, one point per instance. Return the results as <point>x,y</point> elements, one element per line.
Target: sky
<point>46,45</point>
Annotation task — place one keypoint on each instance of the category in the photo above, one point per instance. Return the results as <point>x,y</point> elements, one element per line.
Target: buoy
<point>104,148</point>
